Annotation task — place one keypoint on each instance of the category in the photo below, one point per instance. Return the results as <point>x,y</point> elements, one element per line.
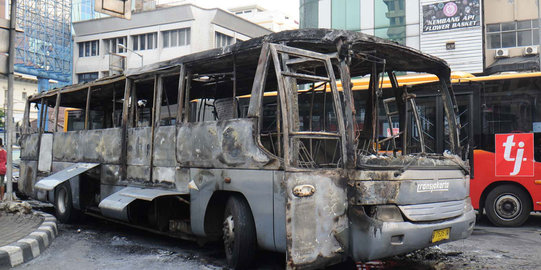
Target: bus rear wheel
<point>239,234</point>
<point>508,206</point>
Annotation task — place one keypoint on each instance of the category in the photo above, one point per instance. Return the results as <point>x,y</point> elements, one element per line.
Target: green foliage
<point>2,116</point>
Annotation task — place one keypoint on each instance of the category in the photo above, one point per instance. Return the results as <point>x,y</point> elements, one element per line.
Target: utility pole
<point>539,31</point>
<point>9,115</point>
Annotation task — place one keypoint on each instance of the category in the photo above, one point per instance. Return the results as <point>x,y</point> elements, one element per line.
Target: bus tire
<point>63,204</point>
<point>239,233</point>
<point>508,206</point>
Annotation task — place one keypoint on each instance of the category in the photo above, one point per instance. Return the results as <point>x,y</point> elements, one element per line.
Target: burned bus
<point>174,149</point>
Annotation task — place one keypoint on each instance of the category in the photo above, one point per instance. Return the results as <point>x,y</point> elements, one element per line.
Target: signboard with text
<point>451,15</point>
<point>514,154</point>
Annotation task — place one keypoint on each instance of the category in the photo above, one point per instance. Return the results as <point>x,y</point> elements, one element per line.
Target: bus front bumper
<point>373,239</point>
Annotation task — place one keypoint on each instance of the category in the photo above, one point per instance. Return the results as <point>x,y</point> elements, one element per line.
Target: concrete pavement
<point>24,234</point>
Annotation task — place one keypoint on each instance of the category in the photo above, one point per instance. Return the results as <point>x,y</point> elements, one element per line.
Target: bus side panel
<point>138,157</point>
<point>27,177</point>
<point>164,147</point>
<point>316,218</point>
<point>164,161</point>
<point>485,175</point>
<point>221,144</point>
<point>255,185</point>
<point>96,146</point>
<point>29,146</point>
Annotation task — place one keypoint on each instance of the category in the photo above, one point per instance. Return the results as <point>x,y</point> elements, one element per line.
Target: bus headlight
<point>467,205</point>
<point>387,213</point>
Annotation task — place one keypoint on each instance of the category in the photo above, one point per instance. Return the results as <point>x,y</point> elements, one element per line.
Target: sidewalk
<point>24,233</point>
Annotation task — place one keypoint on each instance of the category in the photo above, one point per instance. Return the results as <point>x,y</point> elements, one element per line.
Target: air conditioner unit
<point>501,53</point>
<point>530,50</point>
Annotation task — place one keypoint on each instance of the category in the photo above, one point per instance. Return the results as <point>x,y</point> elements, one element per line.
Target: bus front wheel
<point>63,204</point>
<point>508,206</point>
<point>239,233</point>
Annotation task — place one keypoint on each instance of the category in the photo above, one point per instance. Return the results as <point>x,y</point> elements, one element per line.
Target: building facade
<point>153,36</point>
<point>451,30</point>
<point>476,36</point>
<point>273,20</point>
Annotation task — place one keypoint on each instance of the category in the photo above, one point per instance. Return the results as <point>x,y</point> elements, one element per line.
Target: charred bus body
<point>171,148</point>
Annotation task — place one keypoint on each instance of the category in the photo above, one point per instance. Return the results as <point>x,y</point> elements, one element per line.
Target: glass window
<point>494,41</point>
<point>87,77</point>
<point>509,39</point>
<point>526,35</point>
<point>177,37</point>
<point>145,41</point>
<point>524,38</point>
<point>345,14</point>
<point>509,26</point>
<point>524,24</point>
<point>174,38</point>
<point>165,38</point>
<point>223,40</point>
<point>142,43</point>
<point>81,50</point>
<point>389,20</point>
<point>493,27</point>
<point>135,42</point>
<point>309,13</point>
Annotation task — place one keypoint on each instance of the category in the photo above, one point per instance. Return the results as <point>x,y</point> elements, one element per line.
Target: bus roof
<point>246,56</point>
<point>398,57</point>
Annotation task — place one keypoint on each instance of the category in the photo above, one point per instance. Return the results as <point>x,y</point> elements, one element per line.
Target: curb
<point>31,246</point>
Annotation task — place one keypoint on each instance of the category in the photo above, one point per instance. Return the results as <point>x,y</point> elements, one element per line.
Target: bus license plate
<point>439,235</point>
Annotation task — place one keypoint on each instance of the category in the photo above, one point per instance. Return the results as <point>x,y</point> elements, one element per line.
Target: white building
<point>154,36</point>
<point>271,19</point>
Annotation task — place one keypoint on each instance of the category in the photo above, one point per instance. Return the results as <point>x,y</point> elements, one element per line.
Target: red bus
<point>500,134</point>
<point>505,144</point>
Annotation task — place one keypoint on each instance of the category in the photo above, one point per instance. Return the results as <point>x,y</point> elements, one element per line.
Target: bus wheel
<point>508,206</point>
<point>63,204</point>
<point>239,233</point>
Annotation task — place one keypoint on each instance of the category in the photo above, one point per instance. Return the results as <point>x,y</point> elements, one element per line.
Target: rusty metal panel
<point>110,174</point>
<point>164,146</point>
<point>139,146</point>
<point>139,174</point>
<point>182,179</point>
<point>50,182</point>
<point>27,176</point>
<point>29,146</point>
<point>164,174</point>
<point>411,187</point>
<point>223,144</point>
<point>99,146</point>
<point>316,222</point>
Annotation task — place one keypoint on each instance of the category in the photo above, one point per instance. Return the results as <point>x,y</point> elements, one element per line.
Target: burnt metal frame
<point>288,96</point>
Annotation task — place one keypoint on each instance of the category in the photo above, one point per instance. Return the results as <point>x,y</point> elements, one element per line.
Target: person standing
<point>3,160</point>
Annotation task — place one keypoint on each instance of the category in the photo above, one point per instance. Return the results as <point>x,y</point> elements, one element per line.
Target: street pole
<point>9,117</point>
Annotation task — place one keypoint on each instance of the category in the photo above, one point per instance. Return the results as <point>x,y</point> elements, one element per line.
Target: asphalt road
<point>96,244</point>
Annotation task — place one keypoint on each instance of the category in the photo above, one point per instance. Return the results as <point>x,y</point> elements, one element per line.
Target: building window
<point>346,14</point>
<point>87,77</point>
<point>145,41</point>
<point>24,95</point>
<point>111,45</point>
<point>512,34</point>
<point>223,40</point>
<point>89,48</point>
<point>175,38</point>
<point>309,13</point>
<point>389,20</point>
